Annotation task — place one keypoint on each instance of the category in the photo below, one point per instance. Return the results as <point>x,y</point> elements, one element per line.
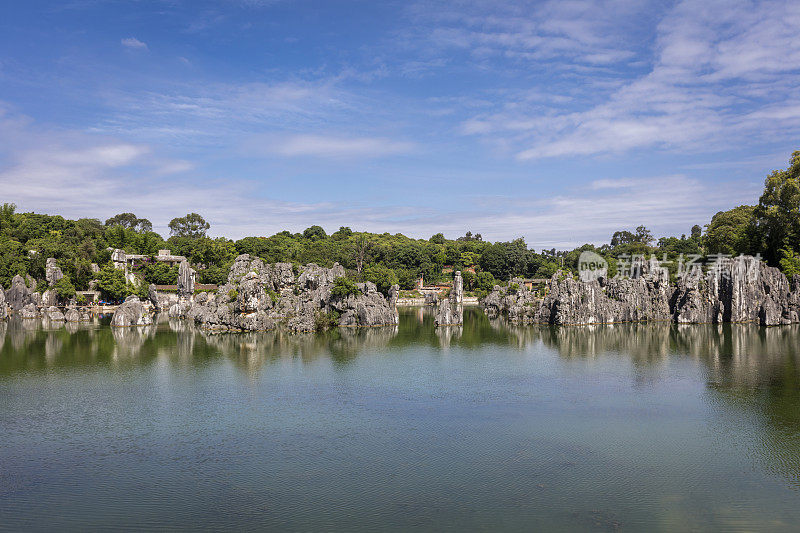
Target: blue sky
<point>559,122</point>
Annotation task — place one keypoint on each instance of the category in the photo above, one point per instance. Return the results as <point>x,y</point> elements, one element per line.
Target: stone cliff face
<point>737,290</point>
<point>259,296</point>
<point>52,271</point>
<point>450,311</point>
<point>3,306</point>
<point>18,295</point>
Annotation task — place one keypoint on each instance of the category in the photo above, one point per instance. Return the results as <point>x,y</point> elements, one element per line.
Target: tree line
<point>771,228</point>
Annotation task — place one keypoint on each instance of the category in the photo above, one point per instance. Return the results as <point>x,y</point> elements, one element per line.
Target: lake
<point>487,427</point>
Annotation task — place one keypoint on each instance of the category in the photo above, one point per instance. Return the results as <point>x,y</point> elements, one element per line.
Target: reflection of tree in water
<point>755,378</point>
<point>417,328</point>
<point>33,346</point>
<point>753,374</point>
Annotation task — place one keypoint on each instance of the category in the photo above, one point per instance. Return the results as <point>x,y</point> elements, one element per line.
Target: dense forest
<point>771,228</point>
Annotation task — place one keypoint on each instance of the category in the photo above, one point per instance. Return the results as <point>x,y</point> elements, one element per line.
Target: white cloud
<point>723,72</point>
<point>324,146</point>
<point>133,43</point>
<point>90,176</point>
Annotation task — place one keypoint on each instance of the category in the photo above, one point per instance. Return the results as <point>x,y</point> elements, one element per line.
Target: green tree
<point>111,282</point>
<point>790,263</point>
<point>777,215</point>
<point>314,233</point>
<point>192,225</point>
<point>130,221</point>
<point>729,231</point>
<point>381,276</point>
<point>64,288</point>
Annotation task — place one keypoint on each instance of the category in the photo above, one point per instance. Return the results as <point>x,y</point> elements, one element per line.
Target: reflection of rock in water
<point>176,324</point>
<point>20,332</point>
<point>253,349</point>
<point>447,334</point>
<point>644,342</point>
<point>349,342</point>
<point>3,329</point>
<point>53,347</point>
<point>129,341</point>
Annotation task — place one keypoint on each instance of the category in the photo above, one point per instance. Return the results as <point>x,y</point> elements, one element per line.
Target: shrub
<point>324,321</point>
<point>233,294</point>
<point>64,288</point>
<point>344,287</point>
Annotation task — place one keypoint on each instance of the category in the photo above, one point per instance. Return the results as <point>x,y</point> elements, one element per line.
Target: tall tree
<point>192,225</point>
<point>777,215</point>
<point>130,221</point>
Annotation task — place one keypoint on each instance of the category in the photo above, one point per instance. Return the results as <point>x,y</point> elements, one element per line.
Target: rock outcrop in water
<point>185,281</point>
<point>260,296</point>
<point>18,295</point>
<point>740,289</point>
<point>450,311</point>
<point>131,313</point>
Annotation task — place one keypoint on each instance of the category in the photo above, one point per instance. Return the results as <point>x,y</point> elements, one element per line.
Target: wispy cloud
<point>719,76</point>
<point>133,43</point>
<point>324,146</point>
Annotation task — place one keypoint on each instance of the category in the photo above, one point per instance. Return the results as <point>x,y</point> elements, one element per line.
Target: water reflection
<point>750,372</point>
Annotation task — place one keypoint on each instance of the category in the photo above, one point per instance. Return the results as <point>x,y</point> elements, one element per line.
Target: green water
<point>632,428</point>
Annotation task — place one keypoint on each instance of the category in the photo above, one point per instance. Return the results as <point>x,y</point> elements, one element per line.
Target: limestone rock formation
<point>185,281</point>
<point>52,271</point>
<point>431,298</point>
<point>73,314</point>
<point>54,313</point>
<point>369,308</point>
<point>131,313</point>
<point>3,306</point>
<point>394,293</point>
<point>457,292</point>
<point>160,302</point>
<point>736,290</point>
<point>449,313</point>
<point>29,311</point>
<point>739,290</point>
<point>49,298</point>
<point>259,296</point>
<point>18,295</point>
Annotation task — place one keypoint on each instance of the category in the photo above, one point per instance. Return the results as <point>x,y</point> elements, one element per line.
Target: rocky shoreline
<point>260,296</point>
<point>740,289</point>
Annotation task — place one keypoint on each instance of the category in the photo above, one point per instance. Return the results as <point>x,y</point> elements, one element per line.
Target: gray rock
<point>431,298</point>
<point>52,271</point>
<point>3,306</point>
<point>457,292</point>
<point>29,311</point>
<point>131,313</point>
<point>185,281</point>
<point>737,290</point>
<point>266,295</point>
<point>18,295</point>
<point>394,293</point>
<point>49,298</point>
<point>449,313</point>
<point>54,313</point>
